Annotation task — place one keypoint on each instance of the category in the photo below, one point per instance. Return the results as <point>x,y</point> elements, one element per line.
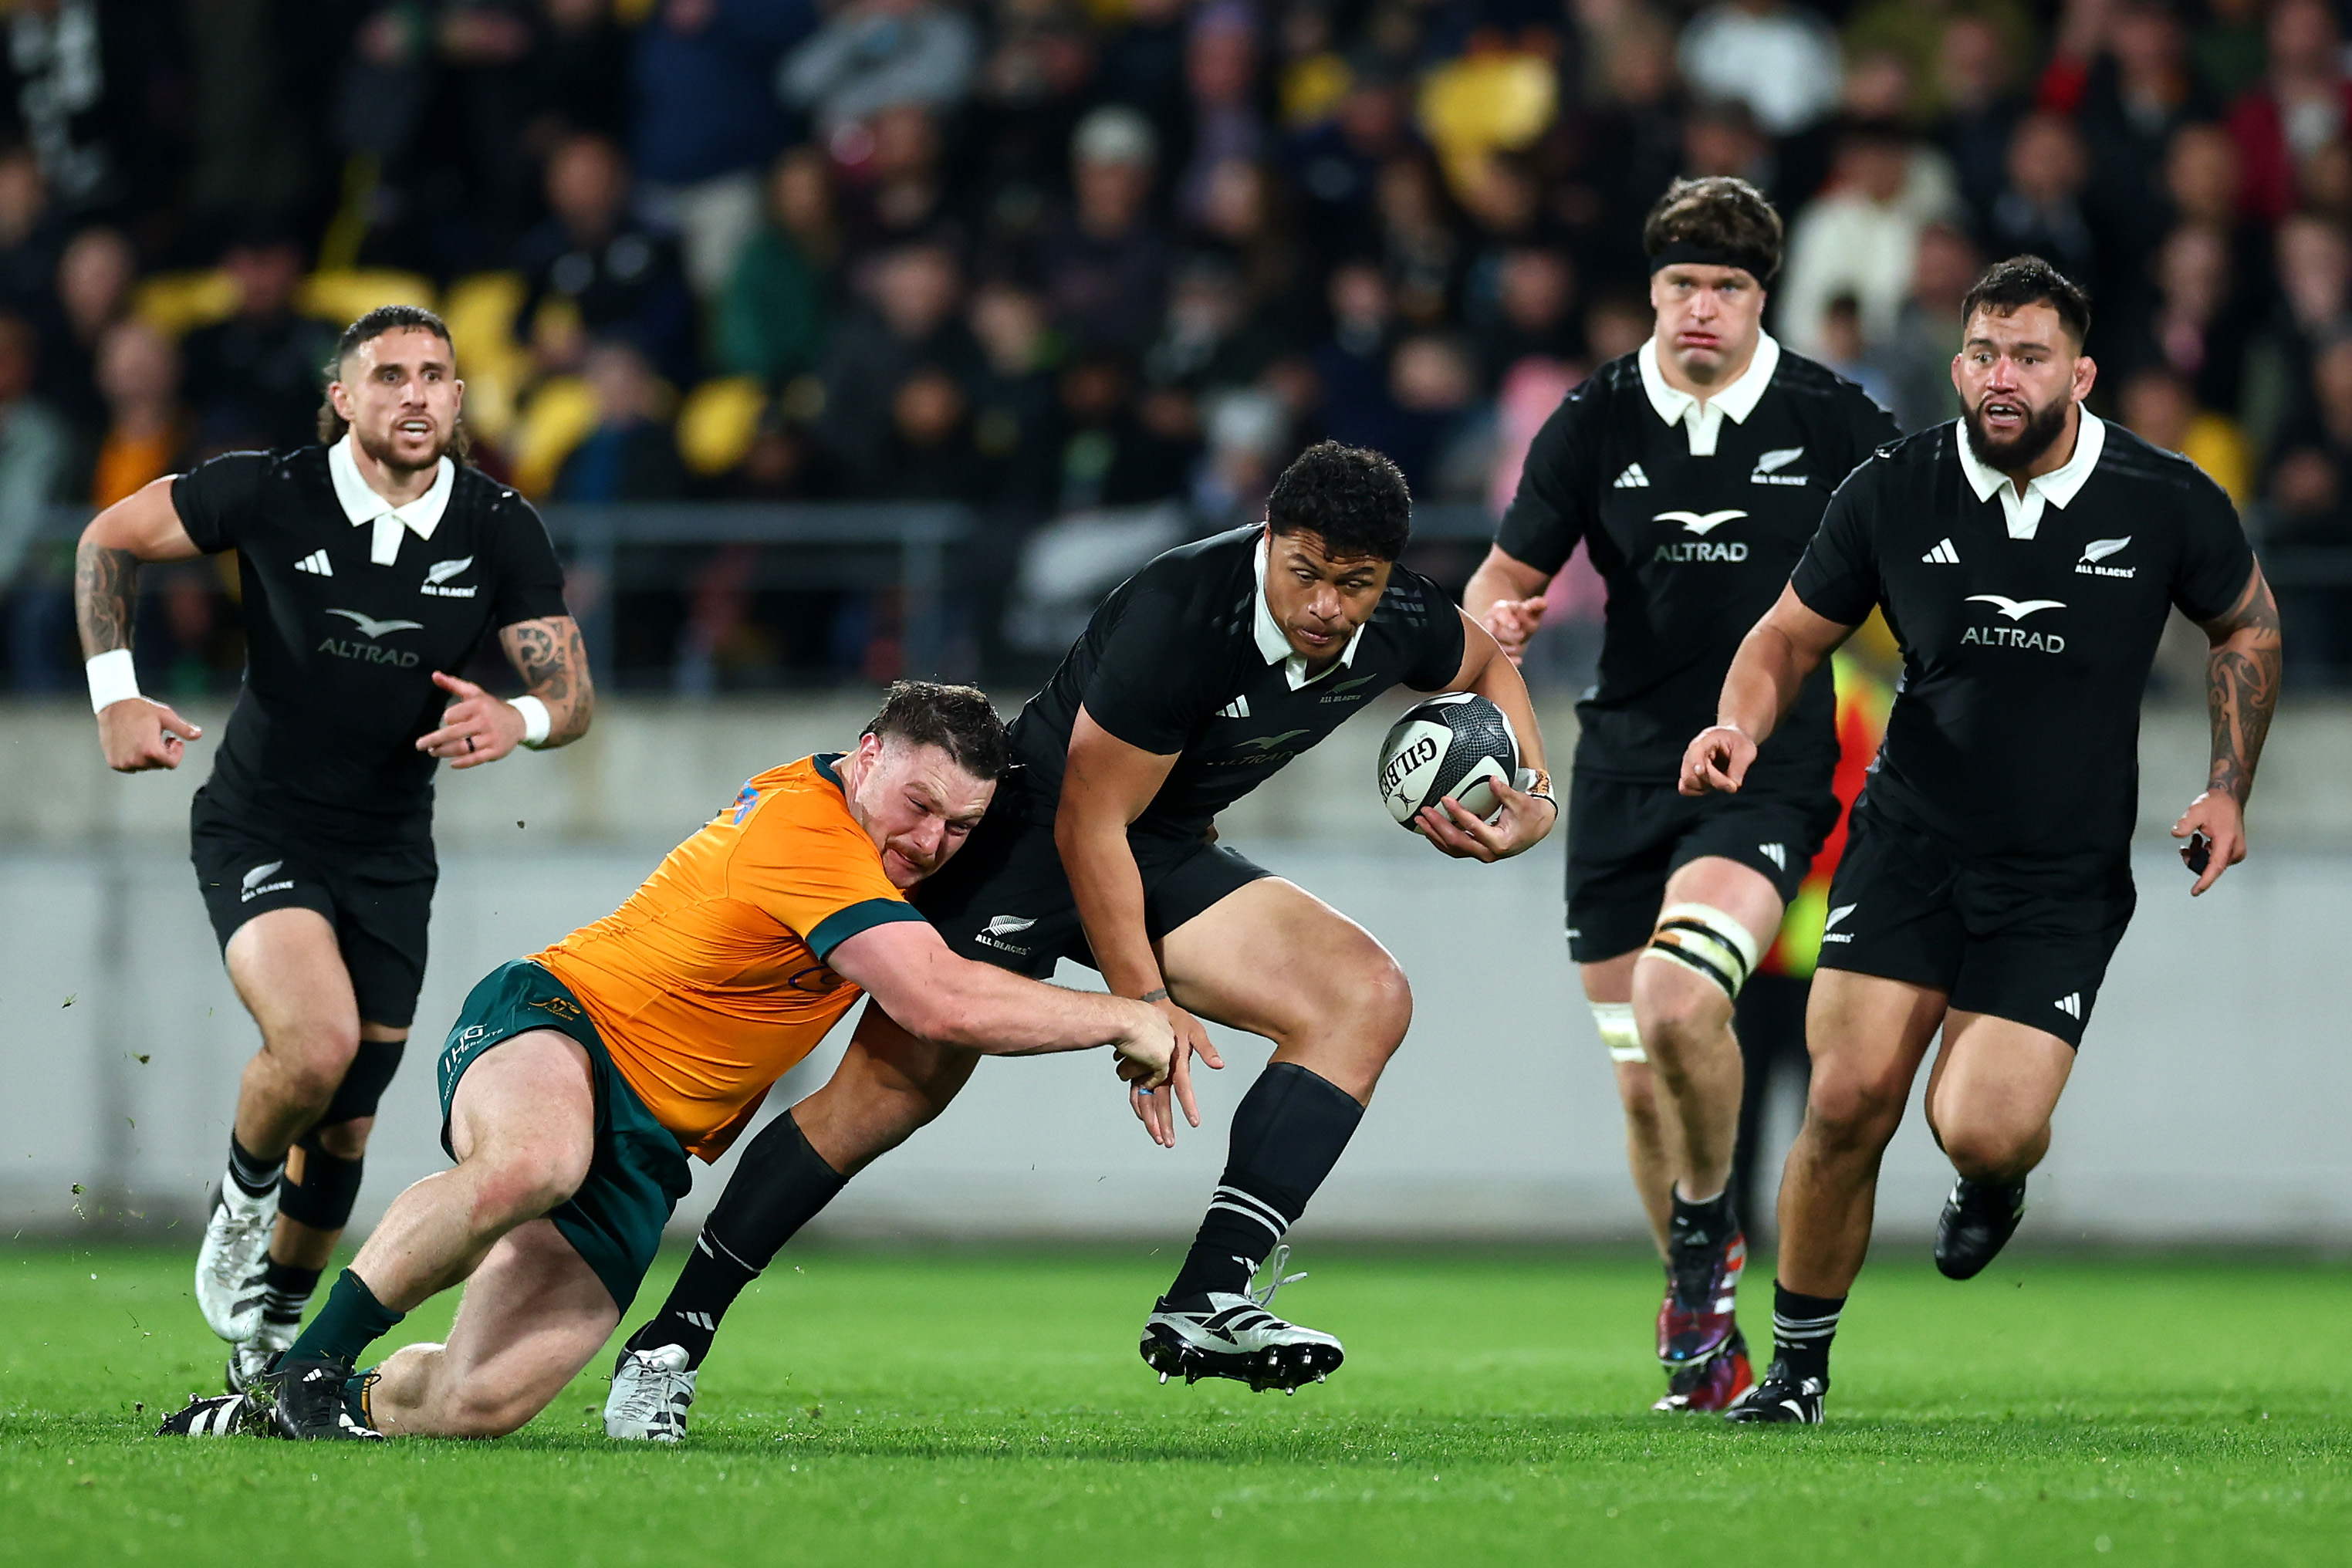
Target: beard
<point>452,443</point>
<point>2020,452</point>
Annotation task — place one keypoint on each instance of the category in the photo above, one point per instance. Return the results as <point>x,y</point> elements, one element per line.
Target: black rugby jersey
<point>1185,658</point>
<point>339,648</point>
<point>2027,626</point>
<point>1694,518</point>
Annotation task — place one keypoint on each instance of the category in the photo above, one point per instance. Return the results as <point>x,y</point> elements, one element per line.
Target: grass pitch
<point>990,1409</point>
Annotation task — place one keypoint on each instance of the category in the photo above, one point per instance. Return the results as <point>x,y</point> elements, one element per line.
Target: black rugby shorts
<point>1627,837</point>
<point>1004,899</point>
<point>1903,907</point>
<point>379,900</point>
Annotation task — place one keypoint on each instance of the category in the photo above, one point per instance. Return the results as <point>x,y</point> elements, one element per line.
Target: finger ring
<point>470,742</point>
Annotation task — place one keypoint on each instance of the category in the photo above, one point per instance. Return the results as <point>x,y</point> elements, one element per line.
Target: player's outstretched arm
<point>554,710</point>
<point>1505,596</point>
<point>912,975</point>
<point>136,734</point>
<point>1105,784</point>
<point>1528,814</point>
<point>1774,659</point>
<point>2242,687</point>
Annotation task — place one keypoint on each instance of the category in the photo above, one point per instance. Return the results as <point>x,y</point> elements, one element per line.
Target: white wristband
<point>536,720</point>
<point>112,678</point>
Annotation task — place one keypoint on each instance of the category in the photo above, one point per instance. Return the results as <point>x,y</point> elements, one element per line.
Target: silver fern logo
<point>2098,550</point>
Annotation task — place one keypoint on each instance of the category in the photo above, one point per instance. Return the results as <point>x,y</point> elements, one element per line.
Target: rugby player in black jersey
<point>1195,681</point>
<point>1693,469</point>
<point>312,840</point>
<point>2026,557</point>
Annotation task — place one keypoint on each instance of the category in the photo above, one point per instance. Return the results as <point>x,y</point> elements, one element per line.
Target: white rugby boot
<point>252,1358</point>
<point>1220,1334</point>
<point>651,1392</point>
<point>232,1262</point>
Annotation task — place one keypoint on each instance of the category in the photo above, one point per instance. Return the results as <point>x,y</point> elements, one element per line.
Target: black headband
<point>1758,265</point>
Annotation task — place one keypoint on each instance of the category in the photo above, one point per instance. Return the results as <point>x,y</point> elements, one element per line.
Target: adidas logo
<point>1942,555</point>
<point>316,563</point>
<point>2071,1004</point>
<point>1775,853</point>
<point>1237,708</point>
<point>702,1321</point>
<point>1633,479</point>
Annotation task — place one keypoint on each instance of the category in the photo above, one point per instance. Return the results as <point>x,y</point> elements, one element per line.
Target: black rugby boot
<point>1782,1399</point>
<point>304,1400</point>
<point>1977,1220</point>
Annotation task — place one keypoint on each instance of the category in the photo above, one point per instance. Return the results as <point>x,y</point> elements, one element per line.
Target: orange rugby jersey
<point>710,982</point>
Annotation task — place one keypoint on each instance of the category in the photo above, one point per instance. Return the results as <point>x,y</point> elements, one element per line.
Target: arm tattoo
<point>1156,993</point>
<point>553,663</point>
<point>106,589</point>
<point>2242,687</point>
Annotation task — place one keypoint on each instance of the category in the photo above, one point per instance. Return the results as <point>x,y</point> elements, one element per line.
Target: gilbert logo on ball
<point>1455,744</point>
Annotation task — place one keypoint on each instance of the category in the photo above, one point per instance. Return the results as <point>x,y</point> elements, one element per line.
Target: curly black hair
<point>1355,500</point>
<point>2010,286</point>
<point>958,720</point>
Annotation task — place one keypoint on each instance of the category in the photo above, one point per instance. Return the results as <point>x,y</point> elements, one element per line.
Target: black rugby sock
<point>256,1176</point>
<point>782,1184</point>
<point>286,1293</point>
<point>351,1320</point>
<point>1289,1132</point>
<point>1802,1328</point>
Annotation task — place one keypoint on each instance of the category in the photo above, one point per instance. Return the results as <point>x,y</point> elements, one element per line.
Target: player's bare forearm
<point>553,663</point>
<point>1506,597</point>
<point>1486,671</point>
<point>1108,888</point>
<point>1105,784</point>
<point>143,526</point>
<point>2242,687</point>
<point>1774,659</point>
<point>106,587</point>
<point>1770,668</point>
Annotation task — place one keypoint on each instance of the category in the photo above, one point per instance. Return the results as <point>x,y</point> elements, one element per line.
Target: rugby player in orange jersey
<point>576,1081</point>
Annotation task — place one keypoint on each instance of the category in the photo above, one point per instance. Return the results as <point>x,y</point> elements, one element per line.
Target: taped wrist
<point>1706,941</point>
<point>536,721</point>
<point>112,678</point>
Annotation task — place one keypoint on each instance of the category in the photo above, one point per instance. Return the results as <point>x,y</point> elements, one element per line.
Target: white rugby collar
<point>1276,646</point>
<point>2056,488</point>
<point>1736,401</point>
<point>363,506</point>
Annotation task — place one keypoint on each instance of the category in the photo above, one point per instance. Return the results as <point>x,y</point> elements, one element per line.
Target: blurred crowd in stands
<point>1106,259</point>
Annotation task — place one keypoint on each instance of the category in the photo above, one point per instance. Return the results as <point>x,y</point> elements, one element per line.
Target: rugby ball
<point>1455,744</point>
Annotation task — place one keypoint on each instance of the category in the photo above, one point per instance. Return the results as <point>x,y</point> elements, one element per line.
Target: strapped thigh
<point>1706,941</point>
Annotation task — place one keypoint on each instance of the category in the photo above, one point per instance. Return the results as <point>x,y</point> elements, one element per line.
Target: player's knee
<point>315,1057</point>
<point>1679,1015</point>
<point>526,1182</point>
<point>1854,1108</point>
<point>346,1139</point>
<point>1379,1006</point>
<point>1692,971</point>
<point>1983,1148</point>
